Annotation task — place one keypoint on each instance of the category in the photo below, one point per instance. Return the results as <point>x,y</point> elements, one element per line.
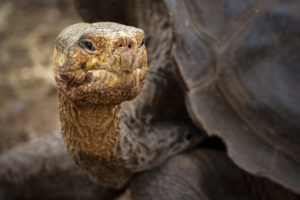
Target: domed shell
<point>239,64</point>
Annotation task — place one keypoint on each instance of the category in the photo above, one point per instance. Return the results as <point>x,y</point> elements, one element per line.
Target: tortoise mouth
<point>98,66</point>
<point>116,71</point>
<point>103,86</point>
<point>103,76</point>
<point>112,78</point>
<point>127,63</point>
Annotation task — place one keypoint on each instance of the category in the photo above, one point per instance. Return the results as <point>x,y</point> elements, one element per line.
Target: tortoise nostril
<point>125,44</point>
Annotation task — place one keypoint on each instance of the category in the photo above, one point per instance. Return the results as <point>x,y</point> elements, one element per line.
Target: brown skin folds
<point>111,73</point>
<point>97,66</point>
<point>98,69</point>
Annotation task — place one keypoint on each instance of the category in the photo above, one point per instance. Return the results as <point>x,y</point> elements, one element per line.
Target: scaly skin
<point>114,72</point>
<point>91,85</point>
<point>97,67</point>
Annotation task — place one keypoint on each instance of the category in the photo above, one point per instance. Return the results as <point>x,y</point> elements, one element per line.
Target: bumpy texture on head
<point>100,63</point>
<point>97,67</point>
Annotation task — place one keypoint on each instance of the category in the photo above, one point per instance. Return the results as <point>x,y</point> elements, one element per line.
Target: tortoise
<point>236,62</point>
<point>229,66</point>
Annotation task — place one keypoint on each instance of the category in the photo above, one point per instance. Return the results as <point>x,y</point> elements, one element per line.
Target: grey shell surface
<point>239,64</point>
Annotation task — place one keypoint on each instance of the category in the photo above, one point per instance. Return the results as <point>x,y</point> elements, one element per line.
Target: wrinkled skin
<point>42,169</point>
<point>97,67</point>
<point>111,72</point>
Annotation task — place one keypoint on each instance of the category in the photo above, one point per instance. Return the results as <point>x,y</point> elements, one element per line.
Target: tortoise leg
<point>42,169</point>
<point>206,175</point>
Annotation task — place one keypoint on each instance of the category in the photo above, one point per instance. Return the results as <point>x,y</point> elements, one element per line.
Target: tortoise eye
<point>87,45</point>
<point>142,43</point>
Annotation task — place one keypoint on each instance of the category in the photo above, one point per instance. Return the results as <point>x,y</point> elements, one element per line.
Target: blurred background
<point>28,102</point>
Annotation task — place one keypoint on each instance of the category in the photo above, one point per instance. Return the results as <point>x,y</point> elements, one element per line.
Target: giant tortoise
<point>226,69</point>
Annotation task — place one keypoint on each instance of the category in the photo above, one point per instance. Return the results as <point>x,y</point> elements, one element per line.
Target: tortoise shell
<point>237,62</point>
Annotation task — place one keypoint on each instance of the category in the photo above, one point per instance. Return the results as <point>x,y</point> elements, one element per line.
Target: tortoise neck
<point>89,130</point>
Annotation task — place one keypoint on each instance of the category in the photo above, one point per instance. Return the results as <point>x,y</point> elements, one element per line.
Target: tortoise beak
<point>126,62</point>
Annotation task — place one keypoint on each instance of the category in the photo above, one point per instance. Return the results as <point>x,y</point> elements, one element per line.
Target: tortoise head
<point>100,63</point>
